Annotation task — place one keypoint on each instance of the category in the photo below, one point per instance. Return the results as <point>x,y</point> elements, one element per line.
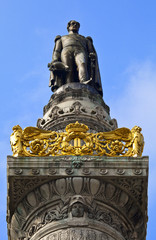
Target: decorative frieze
<point>76,141</point>
<point>55,194</point>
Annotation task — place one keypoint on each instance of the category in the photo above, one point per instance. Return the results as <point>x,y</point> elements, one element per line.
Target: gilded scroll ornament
<point>76,141</point>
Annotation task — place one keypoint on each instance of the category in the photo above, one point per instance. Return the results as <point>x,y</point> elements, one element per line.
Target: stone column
<point>77,197</point>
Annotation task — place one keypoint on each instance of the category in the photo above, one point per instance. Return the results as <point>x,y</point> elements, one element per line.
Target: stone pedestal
<point>76,102</point>
<point>77,197</point>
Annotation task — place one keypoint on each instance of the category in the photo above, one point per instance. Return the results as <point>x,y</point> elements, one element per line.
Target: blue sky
<point>124,34</point>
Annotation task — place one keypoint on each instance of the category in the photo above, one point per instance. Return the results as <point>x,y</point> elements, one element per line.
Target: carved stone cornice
<point>114,188</point>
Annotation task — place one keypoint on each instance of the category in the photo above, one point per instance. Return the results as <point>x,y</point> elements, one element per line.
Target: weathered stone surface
<point>76,102</point>
<point>79,234</point>
<point>77,198</point>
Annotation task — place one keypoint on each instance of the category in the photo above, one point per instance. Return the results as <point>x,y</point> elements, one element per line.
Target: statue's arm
<point>57,49</point>
<point>91,49</point>
<point>90,44</point>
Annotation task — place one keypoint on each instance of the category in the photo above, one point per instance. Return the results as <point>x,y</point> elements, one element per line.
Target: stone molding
<point>114,188</point>
<point>76,101</point>
<point>59,166</point>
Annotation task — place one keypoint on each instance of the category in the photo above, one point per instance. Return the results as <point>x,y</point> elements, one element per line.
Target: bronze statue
<point>74,60</point>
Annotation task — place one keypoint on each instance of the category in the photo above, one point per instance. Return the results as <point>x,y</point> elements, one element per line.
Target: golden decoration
<point>77,141</point>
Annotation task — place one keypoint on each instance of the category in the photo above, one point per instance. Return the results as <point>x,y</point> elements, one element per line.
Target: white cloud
<point>137,106</point>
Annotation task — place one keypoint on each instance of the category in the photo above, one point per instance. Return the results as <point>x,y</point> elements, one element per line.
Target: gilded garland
<point>77,141</point>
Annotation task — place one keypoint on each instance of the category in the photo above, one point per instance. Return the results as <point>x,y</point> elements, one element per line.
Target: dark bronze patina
<point>74,60</point>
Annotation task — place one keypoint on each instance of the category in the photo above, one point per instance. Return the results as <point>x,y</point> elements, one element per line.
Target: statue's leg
<point>67,59</point>
<point>81,63</point>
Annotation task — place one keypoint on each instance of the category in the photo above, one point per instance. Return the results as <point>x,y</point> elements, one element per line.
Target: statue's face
<point>77,210</point>
<point>74,26</point>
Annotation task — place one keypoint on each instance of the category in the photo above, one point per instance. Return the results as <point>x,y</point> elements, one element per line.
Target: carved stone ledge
<point>110,166</point>
<point>111,193</point>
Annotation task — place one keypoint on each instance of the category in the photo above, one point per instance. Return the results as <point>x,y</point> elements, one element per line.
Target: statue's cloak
<point>93,69</point>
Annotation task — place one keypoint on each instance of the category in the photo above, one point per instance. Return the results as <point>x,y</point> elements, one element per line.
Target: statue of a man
<point>74,60</point>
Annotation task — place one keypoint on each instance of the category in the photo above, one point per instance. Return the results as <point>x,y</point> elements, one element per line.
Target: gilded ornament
<point>16,141</point>
<point>77,141</point>
<point>77,127</point>
<point>138,141</point>
<point>37,146</point>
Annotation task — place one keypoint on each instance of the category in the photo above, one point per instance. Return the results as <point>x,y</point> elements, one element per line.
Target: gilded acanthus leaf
<point>76,140</point>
